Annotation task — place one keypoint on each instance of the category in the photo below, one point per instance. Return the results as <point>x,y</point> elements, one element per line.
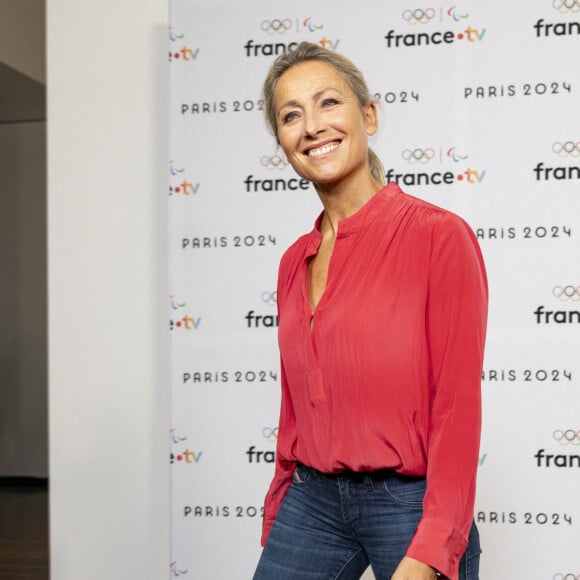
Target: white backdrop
<point>479,115</point>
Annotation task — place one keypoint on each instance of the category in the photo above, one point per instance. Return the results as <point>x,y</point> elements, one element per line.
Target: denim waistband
<point>360,476</point>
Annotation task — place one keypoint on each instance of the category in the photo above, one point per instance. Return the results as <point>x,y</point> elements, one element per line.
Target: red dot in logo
<point>459,178</point>
<point>176,55</point>
<point>179,457</point>
<point>177,189</point>
<point>460,36</point>
<point>178,323</point>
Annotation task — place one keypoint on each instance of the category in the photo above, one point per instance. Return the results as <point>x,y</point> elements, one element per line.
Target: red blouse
<point>390,375</point>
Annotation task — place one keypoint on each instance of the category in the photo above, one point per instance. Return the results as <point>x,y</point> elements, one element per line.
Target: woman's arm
<point>456,324</point>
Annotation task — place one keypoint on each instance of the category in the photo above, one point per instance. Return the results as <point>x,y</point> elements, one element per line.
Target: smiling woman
<point>382,314</point>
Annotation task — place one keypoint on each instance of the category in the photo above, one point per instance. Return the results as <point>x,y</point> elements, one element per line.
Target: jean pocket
<point>302,475</point>
<point>406,491</point>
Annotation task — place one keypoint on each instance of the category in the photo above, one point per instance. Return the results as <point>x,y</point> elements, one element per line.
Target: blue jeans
<point>333,527</point>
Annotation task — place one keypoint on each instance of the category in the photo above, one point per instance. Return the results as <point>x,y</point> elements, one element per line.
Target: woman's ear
<point>371,118</point>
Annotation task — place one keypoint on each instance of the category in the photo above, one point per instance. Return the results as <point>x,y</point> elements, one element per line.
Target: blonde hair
<point>306,51</point>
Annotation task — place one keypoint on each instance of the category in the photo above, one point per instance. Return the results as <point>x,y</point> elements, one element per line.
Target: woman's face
<point>321,126</point>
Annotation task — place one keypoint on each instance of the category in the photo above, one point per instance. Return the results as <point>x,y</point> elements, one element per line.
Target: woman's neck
<point>342,200</point>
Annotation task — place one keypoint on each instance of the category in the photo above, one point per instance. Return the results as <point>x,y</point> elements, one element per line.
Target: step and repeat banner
<point>479,114</point>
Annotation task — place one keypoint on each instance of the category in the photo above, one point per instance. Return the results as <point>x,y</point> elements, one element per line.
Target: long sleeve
<point>456,324</point>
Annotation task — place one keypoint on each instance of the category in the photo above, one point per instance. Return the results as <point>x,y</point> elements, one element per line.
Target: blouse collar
<point>363,217</point>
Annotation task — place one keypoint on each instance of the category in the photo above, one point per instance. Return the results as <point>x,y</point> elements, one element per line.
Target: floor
<point>23,529</point>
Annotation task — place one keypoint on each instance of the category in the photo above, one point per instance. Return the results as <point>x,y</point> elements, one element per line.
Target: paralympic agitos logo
<point>281,28</point>
<point>177,571</point>
<point>460,168</point>
<point>422,21</point>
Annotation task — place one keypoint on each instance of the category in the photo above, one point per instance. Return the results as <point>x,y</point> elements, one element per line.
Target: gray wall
<point>23,349</point>
<point>23,314</point>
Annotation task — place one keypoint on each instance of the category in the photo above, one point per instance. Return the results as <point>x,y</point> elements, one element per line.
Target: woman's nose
<point>313,123</point>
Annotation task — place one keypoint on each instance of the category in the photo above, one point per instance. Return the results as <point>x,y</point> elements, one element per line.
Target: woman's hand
<point>411,569</point>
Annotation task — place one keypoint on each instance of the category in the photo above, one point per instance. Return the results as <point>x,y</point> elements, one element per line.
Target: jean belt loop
<point>369,482</point>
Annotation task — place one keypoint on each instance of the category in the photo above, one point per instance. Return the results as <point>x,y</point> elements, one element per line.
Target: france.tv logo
<point>180,455</point>
<point>419,19</point>
<point>179,183</point>
<point>179,50</point>
<point>186,321</point>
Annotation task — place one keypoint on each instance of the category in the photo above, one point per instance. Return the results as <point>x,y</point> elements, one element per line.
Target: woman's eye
<point>329,102</point>
<point>289,117</point>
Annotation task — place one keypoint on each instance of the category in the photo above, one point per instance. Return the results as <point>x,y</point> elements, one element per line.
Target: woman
<point>382,310</point>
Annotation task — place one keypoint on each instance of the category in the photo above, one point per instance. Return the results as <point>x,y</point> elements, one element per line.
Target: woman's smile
<point>323,150</point>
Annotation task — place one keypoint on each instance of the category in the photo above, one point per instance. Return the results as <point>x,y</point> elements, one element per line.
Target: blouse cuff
<point>438,545</point>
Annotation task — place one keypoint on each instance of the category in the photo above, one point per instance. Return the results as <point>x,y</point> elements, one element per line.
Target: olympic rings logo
<point>270,298</point>
<point>560,576</point>
<point>565,6</point>
<point>568,437</point>
<point>565,293</point>
<point>276,26</point>
<point>569,148</point>
<point>270,433</point>
<point>273,162</point>
<point>413,156</point>
<point>418,15</point>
